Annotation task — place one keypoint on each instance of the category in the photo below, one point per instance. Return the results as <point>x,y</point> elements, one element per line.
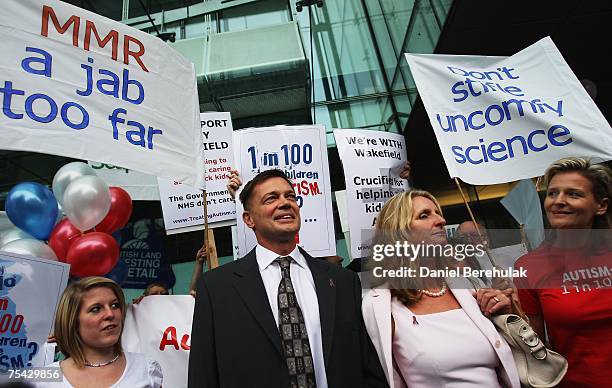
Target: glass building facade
<point>354,49</point>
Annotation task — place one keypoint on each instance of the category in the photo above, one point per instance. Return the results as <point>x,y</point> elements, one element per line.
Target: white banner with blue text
<point>80,85</point>
<point>30,289</point>
<point>502,119</point>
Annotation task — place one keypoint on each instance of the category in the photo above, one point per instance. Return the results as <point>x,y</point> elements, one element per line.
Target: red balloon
<point>93,254</point>
<point>61,238</point>
<point>119,213</point>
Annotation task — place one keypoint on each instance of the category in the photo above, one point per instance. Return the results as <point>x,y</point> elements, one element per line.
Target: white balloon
<point>30,247</point>
<point>68,174</point>
<point>5,223</point>
<point>86,202</point>
<point>12,234</point>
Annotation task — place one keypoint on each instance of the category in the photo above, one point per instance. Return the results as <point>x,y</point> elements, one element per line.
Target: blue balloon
<point>119,273</point>
<point>32,208</point>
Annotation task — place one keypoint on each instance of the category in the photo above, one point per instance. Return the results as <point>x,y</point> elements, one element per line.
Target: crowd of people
<point>281,318</point>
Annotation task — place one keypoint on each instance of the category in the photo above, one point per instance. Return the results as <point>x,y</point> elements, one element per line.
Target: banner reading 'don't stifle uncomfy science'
<point>81,85</point>
<point>501,119</point>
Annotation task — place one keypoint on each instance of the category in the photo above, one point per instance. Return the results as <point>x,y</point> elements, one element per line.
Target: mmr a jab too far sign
<point>80,85</point>
<point>499,119</point>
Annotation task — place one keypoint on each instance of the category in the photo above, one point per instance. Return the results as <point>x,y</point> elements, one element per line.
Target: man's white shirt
<point>305,291</point>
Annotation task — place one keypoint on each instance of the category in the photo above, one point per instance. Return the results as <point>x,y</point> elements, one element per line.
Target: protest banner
<point>301,152</point>
<point>372,161</point>
<point>182,205</point>
<point>523,203</point>
<point>81,85</point>
<point>144,254</point>
<point>30,289</point>
<point>235,245</point>
<point>501,119</point>
<point>160,327</point>
<point>505,256</point>
<point>141,187</point>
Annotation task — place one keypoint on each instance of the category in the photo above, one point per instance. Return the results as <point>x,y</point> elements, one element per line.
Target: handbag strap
<point>523,332</point>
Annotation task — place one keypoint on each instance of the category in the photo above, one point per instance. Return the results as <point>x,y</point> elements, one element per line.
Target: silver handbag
<point>537,366</point>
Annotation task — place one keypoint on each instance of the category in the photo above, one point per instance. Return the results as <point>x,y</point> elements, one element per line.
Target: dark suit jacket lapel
<point>249,284</point>
<point>325,286</point>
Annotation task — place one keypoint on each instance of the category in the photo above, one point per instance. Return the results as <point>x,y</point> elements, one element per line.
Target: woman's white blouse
<point>140,372</point>
<point>443,349</point>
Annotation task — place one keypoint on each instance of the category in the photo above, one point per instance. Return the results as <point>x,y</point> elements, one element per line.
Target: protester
<point>156,288</point>
<point>277,317</point>
<point>565,290</point>
<point>475,233</point>
<point>88,328</point>
<point>426,334</point>
<point>200,259</point>
<point>234,182</point>
<point>469,232</point>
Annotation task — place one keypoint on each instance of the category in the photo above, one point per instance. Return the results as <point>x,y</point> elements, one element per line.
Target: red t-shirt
<point>572,291</point>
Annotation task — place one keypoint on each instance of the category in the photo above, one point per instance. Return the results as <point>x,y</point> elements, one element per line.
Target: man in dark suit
<point>278,318</point>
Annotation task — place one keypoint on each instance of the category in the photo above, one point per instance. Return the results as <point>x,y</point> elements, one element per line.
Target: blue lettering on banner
<point>557,136</point>
<point>478,83</point>
<point>134,136</point>
<point>113,81</point>
<point>15,351</point>
<point>45,61</point>
<point>42,108</point>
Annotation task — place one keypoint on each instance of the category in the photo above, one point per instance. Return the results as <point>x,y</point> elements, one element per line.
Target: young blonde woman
<point>88,328</point>
<point>426,334</point>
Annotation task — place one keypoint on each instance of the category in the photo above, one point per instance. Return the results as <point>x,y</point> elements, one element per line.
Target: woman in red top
<point>568,290</point>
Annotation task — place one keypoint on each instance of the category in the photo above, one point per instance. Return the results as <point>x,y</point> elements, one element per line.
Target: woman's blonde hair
<point>397,213</point>
<point>67,316</point>
<point>393,225</point>
<point>600,177</point>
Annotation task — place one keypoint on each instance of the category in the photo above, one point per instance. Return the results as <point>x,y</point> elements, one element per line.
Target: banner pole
<point>467,205</point>
<point>199,264</point>
<point>469,209</point>
<point>524,238</point>
<point>209,237</point>
<point>205,209</point>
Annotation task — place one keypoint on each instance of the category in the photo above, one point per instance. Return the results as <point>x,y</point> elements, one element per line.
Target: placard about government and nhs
<point>501,119</point>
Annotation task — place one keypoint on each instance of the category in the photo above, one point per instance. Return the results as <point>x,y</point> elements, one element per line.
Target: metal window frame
<point>184,13</point>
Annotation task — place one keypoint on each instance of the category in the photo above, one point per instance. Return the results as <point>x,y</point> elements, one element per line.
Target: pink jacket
<point>376,309</point>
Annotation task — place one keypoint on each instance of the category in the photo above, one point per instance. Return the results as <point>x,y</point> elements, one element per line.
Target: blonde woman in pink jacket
<point>425,333</point>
